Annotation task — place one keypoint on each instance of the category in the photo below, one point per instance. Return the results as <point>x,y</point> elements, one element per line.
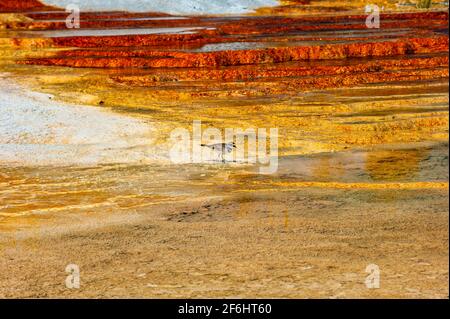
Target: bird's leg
<point>218,156</point>
<point>223,153</point>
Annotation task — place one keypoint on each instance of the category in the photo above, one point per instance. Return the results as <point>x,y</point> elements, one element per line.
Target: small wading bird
<point>221,148</point>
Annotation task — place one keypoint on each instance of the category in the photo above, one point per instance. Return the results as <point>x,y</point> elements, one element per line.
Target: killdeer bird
<point>221,148</point>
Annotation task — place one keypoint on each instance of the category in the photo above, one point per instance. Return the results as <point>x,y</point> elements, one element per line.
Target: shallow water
<point>52,189</point>
<point>109,32</point>
<point>183,6</point>
<point>123,19</point>
<point>380,135</point>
